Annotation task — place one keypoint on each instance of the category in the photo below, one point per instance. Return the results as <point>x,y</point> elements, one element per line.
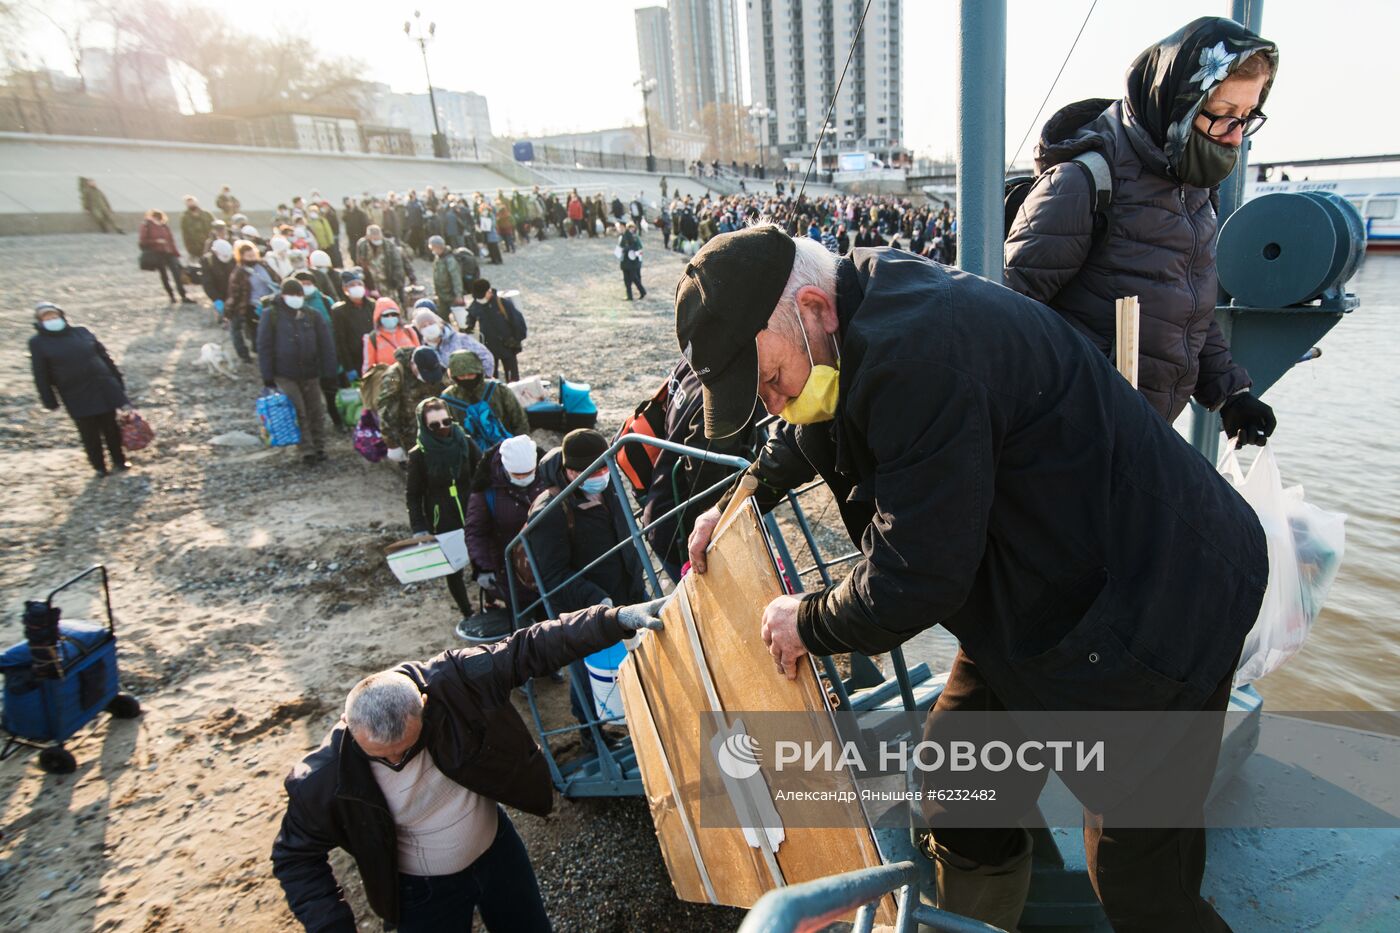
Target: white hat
<point>249,230</point>
<point>222,249</point>
<point>518,454</point>
<point>320,259</point>
<point>279,244</point>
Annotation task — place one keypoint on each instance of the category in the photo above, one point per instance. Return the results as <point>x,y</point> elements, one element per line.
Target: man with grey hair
<point>411,781</point>
<point>1002,480</point>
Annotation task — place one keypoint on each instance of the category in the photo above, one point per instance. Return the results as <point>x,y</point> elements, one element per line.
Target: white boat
<point>1376,198</point>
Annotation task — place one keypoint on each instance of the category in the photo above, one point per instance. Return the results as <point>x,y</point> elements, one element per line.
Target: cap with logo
<point>725,297</point>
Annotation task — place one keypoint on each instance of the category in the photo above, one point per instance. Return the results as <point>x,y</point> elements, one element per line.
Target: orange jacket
<point>380,344</point>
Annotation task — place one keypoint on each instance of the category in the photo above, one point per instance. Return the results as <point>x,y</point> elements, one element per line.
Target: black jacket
<point>431,507</point>
<point>294,344</point>
<point>560,551</point>
<point>1003,480</point>
<point>72,365</point>
<point>502,325</point>
<point>476,738</point>
<point>350,322</point>
<point>215,276</point>
<point>356,222</point>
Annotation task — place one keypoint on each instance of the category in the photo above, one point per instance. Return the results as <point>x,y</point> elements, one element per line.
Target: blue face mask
<point>594,485</point>
<point>55,324</point>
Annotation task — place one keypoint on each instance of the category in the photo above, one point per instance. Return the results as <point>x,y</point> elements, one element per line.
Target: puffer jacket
<point>1159,246</point>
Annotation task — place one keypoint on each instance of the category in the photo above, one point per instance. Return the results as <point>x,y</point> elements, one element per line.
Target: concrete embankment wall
<point>39,178</point>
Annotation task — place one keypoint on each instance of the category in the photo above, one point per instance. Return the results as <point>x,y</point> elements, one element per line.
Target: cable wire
<point>1035,119</point>
<point>835,94</point>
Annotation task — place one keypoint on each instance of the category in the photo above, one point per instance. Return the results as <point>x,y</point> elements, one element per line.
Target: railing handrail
<point>811,905</point>
<point>608,458</point>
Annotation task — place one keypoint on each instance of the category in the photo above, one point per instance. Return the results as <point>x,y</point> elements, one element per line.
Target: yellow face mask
<point>817,400</point>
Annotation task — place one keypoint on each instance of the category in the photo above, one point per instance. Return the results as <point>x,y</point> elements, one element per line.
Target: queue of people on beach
<point>939,408</point>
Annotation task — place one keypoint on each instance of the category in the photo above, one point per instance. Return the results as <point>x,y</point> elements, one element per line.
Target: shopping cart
<point>60,678</point>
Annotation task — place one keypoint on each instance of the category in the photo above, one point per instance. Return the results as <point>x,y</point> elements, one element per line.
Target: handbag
<point>137,432</point>
<point>278,417</point>
<point>149,261</point>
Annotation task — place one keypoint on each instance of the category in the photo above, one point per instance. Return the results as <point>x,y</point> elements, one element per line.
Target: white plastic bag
<point>1306,545</point>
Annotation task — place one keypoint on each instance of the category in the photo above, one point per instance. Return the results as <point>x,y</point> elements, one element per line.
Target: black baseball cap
<point>725,297</point>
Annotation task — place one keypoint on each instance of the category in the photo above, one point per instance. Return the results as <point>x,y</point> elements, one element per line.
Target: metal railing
<point>613,771</point>
<point>811,905</point>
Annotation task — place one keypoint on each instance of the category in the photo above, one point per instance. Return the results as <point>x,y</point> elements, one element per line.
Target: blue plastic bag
<point>278,417</point>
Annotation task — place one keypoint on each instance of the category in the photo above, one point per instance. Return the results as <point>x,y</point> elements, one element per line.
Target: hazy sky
<point>564,65</point>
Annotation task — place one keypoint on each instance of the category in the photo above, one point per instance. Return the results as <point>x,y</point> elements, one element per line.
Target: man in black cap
<point>1003,480</point>
<point>587,525</point>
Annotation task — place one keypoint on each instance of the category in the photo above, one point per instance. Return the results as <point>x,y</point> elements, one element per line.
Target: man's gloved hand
<point>397,455</point>
<point>1251,420</point>
<point>486,580</point>
<point>219,305</point>
<point>352,375</point>
<point>643,615</point>
<point>269,384</point>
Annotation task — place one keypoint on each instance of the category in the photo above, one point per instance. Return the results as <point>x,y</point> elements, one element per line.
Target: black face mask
<point>468,383</point>
<point>408,755</point>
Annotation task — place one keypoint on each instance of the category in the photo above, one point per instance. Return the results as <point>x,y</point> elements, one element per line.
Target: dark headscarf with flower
<point>1170,81</point>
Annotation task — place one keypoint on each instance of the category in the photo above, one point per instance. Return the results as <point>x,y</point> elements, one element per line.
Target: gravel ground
<point>250,595</point>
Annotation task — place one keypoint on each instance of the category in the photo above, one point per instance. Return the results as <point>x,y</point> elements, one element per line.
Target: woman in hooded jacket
<point>1168,143</point>
<point>440,470</point>
<point>390,332</point>
<point>73,368</point>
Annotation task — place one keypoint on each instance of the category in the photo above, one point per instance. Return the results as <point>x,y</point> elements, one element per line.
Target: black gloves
<point>269,384</point>
<point>1251,420</point>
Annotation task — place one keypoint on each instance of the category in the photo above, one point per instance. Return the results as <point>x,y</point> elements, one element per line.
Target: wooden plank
<point>677,838</point>
<point>1126,349</point>
<point>727,603</point>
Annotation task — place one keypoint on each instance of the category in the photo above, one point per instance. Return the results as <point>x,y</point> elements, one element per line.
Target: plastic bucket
<point>602,677</point>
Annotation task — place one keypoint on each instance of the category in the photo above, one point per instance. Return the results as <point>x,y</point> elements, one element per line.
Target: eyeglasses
<point>1222,125</point>
<point>435,425</point>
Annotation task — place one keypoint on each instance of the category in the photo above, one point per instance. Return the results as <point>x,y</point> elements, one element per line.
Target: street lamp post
<point>647,85</point>
<point>414,30</point>
<point>762,115</point>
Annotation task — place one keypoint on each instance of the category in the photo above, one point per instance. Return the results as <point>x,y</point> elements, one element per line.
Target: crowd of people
<point>914,393</point>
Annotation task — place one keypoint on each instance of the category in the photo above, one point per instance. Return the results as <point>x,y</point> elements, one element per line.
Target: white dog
<point>212,356</point>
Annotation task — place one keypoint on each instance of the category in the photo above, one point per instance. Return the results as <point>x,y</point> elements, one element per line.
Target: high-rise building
<point>797,49</point>
<point>706,54</point>
<point>654,52</point>
<point>461,114</point>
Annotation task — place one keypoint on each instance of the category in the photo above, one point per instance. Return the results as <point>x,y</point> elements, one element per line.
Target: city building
<point>797,49</point>
<point>706,54</point>
<point>462,114</point>
<point>654,52</point>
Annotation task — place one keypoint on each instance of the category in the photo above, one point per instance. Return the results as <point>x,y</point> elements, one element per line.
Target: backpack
<point>479,420</point>
<point>1100,175</point>
<point>370,381</point>
<point>637,460</point>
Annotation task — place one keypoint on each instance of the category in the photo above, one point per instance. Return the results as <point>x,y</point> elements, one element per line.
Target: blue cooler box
<point>52,710</point>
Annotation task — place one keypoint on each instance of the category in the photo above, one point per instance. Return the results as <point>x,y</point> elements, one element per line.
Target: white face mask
<point>432,332</point>
<point>294,301</point>
<point>356,292</point>
<point>58,323</point>
<point>311,290</point>
<point>389,323</point>
<point>522,481</point>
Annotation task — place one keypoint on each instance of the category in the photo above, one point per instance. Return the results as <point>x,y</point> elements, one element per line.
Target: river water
<point>1339,436</point>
